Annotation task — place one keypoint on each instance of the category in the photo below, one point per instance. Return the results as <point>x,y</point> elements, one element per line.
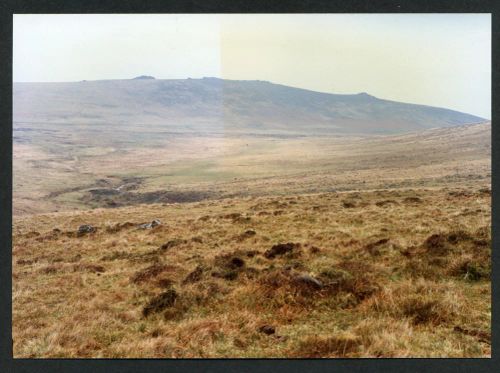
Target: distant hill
<point>212,104</point>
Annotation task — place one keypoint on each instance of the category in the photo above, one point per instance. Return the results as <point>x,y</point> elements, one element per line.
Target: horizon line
<point>150,77</point>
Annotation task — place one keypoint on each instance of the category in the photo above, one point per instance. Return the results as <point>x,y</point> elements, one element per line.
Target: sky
<point>440,60</point>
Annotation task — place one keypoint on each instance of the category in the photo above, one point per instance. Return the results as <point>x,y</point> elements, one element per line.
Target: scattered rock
<point>160,302</point>
<point>309,281</point>
<point>153,224</point>
<point>85,229</point>
<point>143,77</point>
<point>280,249</point>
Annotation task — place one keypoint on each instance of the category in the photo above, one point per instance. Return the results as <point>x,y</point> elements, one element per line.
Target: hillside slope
<point>370,274</point>
<point>58,167</point>
<point>212,104</point>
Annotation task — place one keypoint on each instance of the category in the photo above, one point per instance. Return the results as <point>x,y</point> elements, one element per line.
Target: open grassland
<point>61,168</point>
<point>279,245</point>
<point>383,273</point>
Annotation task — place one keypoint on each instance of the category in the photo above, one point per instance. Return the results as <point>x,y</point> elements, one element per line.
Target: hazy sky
<point>441,60</point>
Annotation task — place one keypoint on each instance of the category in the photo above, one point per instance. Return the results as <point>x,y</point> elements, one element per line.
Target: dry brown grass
<point>406,278</point>
<point>49,178</point>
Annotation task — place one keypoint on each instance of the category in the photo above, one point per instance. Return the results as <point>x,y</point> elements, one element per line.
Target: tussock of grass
<point>231,278</point>
<point>420,301</point>
<point>327,346</point>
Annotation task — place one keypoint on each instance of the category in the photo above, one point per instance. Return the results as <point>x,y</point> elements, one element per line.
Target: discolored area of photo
<point>194,186</point>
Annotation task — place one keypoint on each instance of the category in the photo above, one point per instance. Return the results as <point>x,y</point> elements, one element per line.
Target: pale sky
<point>433,59</point>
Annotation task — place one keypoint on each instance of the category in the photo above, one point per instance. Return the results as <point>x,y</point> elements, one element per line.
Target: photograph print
<point>251,186</point>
